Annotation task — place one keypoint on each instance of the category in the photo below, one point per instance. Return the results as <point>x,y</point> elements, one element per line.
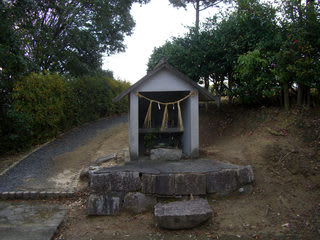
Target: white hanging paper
<point>159,106</point>
<point>173,106</point>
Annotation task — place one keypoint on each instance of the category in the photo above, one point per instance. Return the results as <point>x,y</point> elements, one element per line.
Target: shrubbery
<point>91,97</point>
<point>43,105</point>
<point>41,97</point>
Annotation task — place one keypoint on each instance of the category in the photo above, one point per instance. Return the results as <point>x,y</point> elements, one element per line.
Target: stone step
<point>182,214</point>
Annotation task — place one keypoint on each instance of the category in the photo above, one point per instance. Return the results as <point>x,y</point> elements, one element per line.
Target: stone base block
<point>182,214</point>
<point>139,202</point>
<point>222,182</point>
<point>190,183</point>
<point>105,204</point>
<point>114,182</point>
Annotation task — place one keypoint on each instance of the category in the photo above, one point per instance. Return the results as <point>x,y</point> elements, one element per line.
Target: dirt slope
<point>283,149</point>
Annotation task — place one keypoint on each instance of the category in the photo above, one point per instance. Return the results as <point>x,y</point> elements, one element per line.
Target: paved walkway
<point>33,173</point>
<point>29,221</point>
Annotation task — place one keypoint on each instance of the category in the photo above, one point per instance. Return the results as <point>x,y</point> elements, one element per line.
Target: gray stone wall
<point>110,188</point>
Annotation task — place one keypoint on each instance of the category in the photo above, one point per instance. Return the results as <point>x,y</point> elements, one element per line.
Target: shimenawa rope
<point>164,124</point>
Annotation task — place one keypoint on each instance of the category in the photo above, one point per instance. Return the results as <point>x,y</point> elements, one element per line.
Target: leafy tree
<point>190,54</point>
<point>251,28</point>
<point>14,130</point>
<point>212,54</point>
<point>257,81</point>
<point>301,27</point>
<point>66,37</point>
<point>70,36</point>
<point>199,5</point>
<point>12,62</point>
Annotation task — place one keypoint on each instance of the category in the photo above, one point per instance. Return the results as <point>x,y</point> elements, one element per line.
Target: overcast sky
<point>156,22</point>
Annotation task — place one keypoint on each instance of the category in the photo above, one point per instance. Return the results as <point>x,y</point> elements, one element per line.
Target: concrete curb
<point>35,195</point>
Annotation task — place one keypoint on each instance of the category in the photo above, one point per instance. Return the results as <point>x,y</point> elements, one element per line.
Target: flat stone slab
<point>29,221</point>
<point>182,166</point>
<point>182,214</point>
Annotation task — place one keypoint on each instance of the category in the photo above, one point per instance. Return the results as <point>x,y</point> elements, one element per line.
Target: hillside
<point>283,149</point>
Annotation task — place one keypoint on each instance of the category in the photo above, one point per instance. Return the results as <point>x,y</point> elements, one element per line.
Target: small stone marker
<point>105,204</point>
<point>164,154</point>
<point>182,214</point>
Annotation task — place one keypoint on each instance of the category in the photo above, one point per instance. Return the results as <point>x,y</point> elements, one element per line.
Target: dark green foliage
<point>71,36</point>
<point>252,54</point>
<point>12,61</point>
<point>41,97</point>
<point>15,132</point>
<point>300,49</point>
<point>43,105</point>
<point>149,140</point>
<point>185,54</point>
<point>65,37</point>
<point>91,97</point>
<point>257,82</point>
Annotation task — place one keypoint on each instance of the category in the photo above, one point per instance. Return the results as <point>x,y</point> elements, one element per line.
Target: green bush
<point>41,98</point>
<point>91,98</point>
<point>118,87</point>
<point>45,104</point>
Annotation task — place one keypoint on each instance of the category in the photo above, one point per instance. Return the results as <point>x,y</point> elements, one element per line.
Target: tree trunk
<point>300,94</point>
<point>230,85</point>
<point>306,96</point>
<point>206,83</point>
<point>281,98</point>
<point>197,15</point>
<point>286,99</point>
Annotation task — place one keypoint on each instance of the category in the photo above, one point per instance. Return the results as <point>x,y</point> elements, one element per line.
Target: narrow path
<point>42,170</point>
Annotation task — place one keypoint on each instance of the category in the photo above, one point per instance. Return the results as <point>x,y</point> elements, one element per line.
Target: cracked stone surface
<point>29,221</point>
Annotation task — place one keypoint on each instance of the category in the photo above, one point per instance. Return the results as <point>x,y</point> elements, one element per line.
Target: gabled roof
<point>164,65</point>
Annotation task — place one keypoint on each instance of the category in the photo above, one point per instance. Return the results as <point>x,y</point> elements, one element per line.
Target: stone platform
<point>109,186</point>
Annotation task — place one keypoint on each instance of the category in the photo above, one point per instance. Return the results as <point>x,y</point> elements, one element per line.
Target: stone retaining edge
<point>35,195</point>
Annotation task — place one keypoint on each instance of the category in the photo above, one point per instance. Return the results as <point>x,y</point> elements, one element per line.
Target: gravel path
<point>32,173</point>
